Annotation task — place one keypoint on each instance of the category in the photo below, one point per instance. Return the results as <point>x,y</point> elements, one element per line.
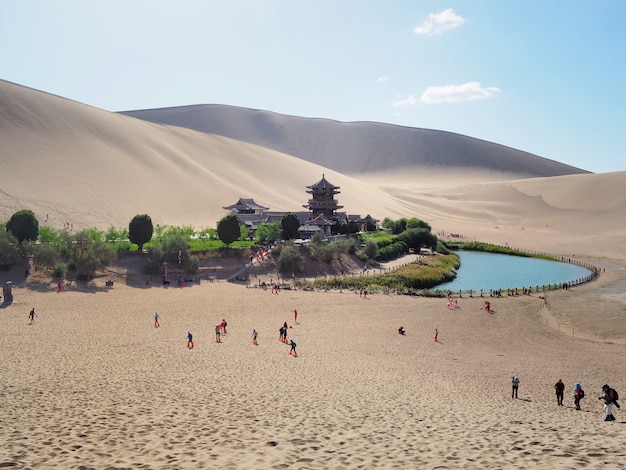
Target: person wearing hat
<point>608,395</point>
<point>578,394</point>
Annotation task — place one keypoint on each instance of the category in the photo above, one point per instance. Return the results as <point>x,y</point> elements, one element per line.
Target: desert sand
<point>93,384</point>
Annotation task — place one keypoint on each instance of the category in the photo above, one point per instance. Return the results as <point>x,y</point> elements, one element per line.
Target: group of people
<point>609,396</point>
<point>220,329</point>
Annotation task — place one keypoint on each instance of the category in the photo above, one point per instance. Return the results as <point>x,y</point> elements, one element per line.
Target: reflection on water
<point>487,271</point>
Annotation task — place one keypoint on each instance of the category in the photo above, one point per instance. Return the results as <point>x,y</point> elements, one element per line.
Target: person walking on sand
<point>254,336</point>
<point>156,320</point>
<point>190,340</point>
<point>578,394</point>
<point>610,398</point>
<point>59,286</point>
<point>514,386</point>
<point>281,333</point>
<point>293,348</point>
<point>295,316</point>
<point>32,316</point>
<point>218,336</point>
<point>559,387</point>
<point>223,325</point>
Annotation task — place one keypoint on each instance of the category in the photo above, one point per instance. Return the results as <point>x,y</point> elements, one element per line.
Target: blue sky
<point>547,77</point>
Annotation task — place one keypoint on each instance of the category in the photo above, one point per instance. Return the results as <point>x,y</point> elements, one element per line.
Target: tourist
<point>295,316</point>
<point>254,337</point>
<point>190,340</point>
<point>609,397</point>
<point>32,316</point>
<point>401,330</point>
<point>156,320</point>
<point>218,335</point>
<point>281,334</point>
<point>514,386</point>
<point>223,326</point>
<point>559,387</point>
<point>578,394</point>
<point>293,348</point>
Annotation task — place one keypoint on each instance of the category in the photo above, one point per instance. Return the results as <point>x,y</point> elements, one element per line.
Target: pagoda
<point>322,201</point>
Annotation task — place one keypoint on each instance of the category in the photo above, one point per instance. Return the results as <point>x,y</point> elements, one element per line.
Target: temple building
<point>323,200</point>
<point>321,217</point>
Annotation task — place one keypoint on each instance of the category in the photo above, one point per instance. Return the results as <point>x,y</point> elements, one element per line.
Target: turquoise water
<point>494,271</point>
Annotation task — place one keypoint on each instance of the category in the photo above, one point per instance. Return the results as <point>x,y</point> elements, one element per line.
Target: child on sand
<point>254,336</point>
<point>293,348</point>
<point>295,316</point>
<point>189,340</point>
<point>32,316</point>
<point>218,337</point>
<point>578,394</point>
<point>156,320</point>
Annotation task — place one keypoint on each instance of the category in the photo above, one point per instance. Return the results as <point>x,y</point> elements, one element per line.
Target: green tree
<point>290,225</point>
<point>46,256</point>
<point>417,238</point>
<point>47,235</point>
<point>9,251</point>
<point>178,256</point>
<point>24,226</point>
<point>290,260</point>
<point>371,249</point>
<point>268,233</point>
<point>414,222</point>
<point>228,229</point>
<point>140,230</point>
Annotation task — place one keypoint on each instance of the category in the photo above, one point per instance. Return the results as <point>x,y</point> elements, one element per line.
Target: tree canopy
<point>23,225</point>
<point>290,225</point>
<point>140,230</point>
<point>228,229</point>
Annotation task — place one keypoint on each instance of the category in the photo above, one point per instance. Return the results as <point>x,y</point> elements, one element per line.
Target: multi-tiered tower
<point>323,200</point>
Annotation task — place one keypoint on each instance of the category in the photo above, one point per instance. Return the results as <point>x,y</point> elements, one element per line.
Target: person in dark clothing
<point>559,387</point>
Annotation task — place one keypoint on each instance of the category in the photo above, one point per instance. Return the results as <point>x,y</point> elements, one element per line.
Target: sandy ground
<point>93,384</point>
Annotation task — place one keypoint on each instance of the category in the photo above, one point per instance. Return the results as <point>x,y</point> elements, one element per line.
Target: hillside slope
<point>357,147</point>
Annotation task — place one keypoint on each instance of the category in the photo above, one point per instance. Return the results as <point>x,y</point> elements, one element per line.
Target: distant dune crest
<point>69,162</point>
<point>356,147</point>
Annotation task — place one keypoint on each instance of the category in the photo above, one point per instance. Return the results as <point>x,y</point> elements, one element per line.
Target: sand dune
<point>355,148</point>
<point>93,384</point>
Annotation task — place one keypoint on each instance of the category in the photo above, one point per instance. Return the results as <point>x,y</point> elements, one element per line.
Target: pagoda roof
<point>323,184</point>
<point>320,220</point>
<point>246,204</point>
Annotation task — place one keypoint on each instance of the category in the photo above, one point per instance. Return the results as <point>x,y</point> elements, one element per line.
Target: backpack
<point>615,394</point>
<point>582,393</point>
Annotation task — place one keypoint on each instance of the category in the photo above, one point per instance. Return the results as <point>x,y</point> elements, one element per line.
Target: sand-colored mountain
<point>74,163</point>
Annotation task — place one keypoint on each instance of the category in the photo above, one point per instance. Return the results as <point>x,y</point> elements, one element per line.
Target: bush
<point>59,270</point>
<point>9,251</point>
<point>45,256</point>
<point>290,260</point>
<point>371,249</point>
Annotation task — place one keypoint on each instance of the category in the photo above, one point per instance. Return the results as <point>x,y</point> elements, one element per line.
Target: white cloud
<point>470,91</point>
<point>385,78</point>
<point>437,23</point>
<point>408,101</point>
